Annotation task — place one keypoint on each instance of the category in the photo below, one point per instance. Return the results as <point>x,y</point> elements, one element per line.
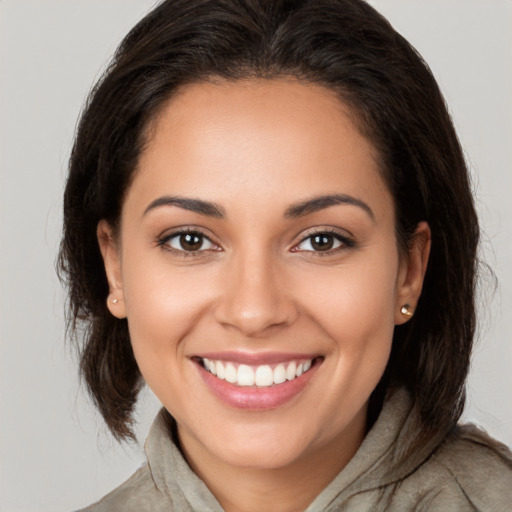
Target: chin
<point>264,454</point>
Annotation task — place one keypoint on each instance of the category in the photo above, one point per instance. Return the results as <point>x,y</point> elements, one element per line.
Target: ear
<point>411,274</point>
<point>111,259</point>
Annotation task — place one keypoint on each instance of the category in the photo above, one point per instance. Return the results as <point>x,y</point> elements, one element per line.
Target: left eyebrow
<point>195,205</point>
<point>321,202</point>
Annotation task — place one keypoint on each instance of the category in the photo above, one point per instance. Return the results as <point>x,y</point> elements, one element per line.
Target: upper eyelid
<point>183,230</point>
<point>330,230</point>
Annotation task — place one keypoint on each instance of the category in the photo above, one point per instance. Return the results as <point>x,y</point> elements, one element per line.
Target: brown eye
<point>190,242</point>
<point>322,242</point>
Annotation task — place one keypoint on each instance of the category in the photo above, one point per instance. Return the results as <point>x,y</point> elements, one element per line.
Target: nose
<point>255,297</point>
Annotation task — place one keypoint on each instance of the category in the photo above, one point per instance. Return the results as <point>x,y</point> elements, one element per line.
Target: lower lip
<point>254,398</point>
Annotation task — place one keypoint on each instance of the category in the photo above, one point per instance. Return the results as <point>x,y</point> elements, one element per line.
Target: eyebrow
<point>307,207</point>
<point>194,205</point>
<point>321,202</point>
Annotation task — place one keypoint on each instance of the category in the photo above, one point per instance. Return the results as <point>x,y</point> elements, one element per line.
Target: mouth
<point>260,376</point>
<point>256,382</point>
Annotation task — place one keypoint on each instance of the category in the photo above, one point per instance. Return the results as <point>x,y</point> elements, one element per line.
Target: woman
<point>268,220</point>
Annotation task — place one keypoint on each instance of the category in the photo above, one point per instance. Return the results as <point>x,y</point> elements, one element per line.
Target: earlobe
<point>110,252</point>
<point>412,274</point>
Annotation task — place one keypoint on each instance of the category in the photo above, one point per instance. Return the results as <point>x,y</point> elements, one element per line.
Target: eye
<point>324,242</point>
<point>190,241</point>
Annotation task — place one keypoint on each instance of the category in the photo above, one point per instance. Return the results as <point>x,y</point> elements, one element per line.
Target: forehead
<point>258,109</point>
<point>257,138</point>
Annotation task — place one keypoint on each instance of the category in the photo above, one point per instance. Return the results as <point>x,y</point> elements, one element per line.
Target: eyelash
<point>345,241</point>
<point>164,243</point>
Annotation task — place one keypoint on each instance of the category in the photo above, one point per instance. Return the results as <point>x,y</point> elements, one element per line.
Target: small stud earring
<point>115,301</point>
<point>406,310</point>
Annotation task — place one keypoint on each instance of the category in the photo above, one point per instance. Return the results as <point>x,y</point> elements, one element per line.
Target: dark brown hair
<point>344,45</point>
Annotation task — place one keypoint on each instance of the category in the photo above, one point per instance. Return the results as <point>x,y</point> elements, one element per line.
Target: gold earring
<point>406,310</point>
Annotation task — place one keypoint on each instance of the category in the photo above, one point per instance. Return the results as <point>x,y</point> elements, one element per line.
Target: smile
<point>257,382</point>
<point>261,376</point>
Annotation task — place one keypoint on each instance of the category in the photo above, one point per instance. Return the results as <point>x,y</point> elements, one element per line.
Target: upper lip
<point>255,359</point>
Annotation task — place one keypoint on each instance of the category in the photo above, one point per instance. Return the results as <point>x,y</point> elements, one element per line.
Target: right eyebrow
<point>195,205</point>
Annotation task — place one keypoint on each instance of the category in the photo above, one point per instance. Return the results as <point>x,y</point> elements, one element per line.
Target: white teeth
<point>245,375</point>
<point>231,373</point>
<point>211,366</point>
<point>290,371</point>
<point>261,376</point>
<point>264,376</point>
<point>221,373</point>
<point>279,374</point>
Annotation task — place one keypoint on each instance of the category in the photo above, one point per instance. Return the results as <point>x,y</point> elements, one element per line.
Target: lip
<point>253,398</point>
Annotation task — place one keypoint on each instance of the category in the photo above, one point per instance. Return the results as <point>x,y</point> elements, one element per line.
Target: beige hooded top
<point>464,470</point>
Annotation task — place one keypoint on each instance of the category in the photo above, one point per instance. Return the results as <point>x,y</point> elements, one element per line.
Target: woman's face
<point>257,242</point>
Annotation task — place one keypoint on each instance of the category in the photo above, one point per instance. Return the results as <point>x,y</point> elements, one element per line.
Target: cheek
<point>355,306</point>
<point>163,305</point>
<point>354,298</point>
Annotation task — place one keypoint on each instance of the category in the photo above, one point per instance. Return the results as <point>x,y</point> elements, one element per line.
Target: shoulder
<point>137,494</point>
<point>480,465</point>
<point>468,471</point>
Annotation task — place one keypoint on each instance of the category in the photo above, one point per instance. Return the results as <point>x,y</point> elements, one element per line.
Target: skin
<point>255,148</point>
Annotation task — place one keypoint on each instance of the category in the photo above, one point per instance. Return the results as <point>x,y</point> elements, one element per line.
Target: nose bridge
<point>254,297</point>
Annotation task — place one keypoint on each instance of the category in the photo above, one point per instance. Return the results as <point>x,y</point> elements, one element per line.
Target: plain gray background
<point>55,453</point>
